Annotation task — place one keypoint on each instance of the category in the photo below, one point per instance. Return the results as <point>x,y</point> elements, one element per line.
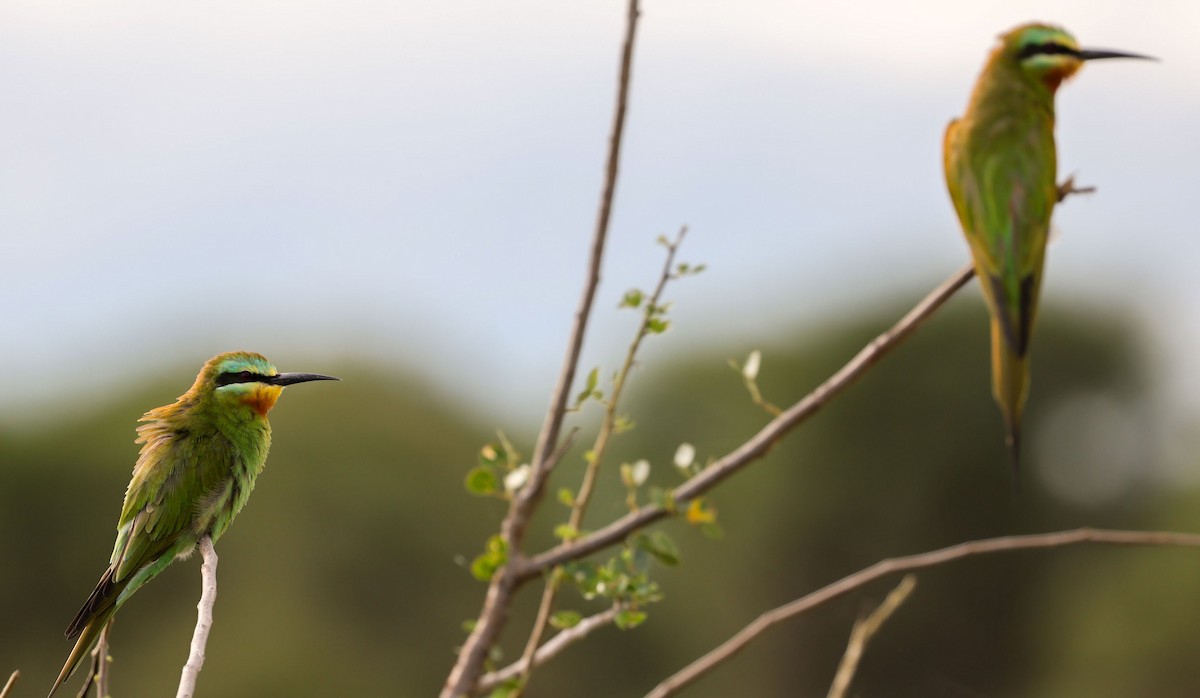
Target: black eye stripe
<point>229,378</point>
<point>1047,49</point>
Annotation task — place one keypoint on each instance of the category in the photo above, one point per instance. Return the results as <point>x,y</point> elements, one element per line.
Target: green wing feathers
<point>158,523</point>
<point>1004,197</point>
<point>1000,171</point>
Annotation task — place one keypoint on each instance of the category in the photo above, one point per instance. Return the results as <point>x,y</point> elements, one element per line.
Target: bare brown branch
<point>469,665</point>
<point>905,564</point>
<point>548,437</point>
<point>760,444</point>
<point>864,630</point>
<point>548,651</point>
<point>98,665</point>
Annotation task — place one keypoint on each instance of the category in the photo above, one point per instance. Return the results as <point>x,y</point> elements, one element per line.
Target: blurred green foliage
<point>349,572</point>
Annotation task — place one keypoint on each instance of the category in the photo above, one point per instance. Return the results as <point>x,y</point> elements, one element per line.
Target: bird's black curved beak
<point>1092,54</point>
<point>292,378</point>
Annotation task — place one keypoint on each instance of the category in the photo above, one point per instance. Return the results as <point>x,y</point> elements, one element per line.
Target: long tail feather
<point>88,635</point>
<point>99,608</point>
<point>1010,385</point>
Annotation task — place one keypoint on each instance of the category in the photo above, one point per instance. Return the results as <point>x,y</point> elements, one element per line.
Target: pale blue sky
<point>417,180</point>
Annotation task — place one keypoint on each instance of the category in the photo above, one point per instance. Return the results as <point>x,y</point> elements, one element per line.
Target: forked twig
<point>904,564</point>
<point>549,650</point>
<point>864,630</point>
<point>98,665</point>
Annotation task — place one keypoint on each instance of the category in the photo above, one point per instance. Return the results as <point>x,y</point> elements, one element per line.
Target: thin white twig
<point>8,685</point>
<point>864,630</point>
<point>204,620</point>
<point>549,650</point>
<point>883,568</point>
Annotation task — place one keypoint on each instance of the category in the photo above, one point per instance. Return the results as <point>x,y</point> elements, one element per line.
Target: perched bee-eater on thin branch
<point>199,459</point>
<point>1001,167</point>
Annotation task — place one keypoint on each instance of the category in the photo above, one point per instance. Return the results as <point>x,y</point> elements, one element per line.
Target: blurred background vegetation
<point>347,573</point>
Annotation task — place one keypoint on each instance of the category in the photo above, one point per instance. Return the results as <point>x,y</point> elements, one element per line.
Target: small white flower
<point>639,472</point>
<point>516,478</point>
<point>750,370</point>
<point>684,455</point>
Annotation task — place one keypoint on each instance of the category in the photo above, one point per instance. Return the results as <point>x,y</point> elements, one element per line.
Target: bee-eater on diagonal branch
<point>199,459</point>
<point>1001,167</point>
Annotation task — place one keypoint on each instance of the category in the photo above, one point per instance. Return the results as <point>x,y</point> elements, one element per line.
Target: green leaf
<point>657,325</point>
<point>623,423</point>
<point>481,480</point>
<point>628,619</point>
<point>566,496</point>
<point>660,545</point>
<point>494,555</point>
<point>483,567</point>
<point>567,532</point>
<point>589,388</point>
<point>632,299</point>
<point>565,619</point>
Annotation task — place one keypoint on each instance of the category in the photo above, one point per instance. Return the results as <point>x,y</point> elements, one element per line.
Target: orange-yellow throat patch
<point>262,398</point>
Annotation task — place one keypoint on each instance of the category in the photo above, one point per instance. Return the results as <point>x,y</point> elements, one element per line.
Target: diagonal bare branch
<point>864,630</point>
<point>890,566</point>
<point>760,443</point>
<point>8,685</point>
<point>549,650</point>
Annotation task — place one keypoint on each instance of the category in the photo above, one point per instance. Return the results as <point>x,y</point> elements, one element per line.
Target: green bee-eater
<point>1000,168</point>
<point>197,466</point>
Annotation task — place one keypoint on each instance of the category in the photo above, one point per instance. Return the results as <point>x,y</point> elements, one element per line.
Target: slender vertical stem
<point>204,620</point>
<point>548,436</point>
<point>599,448</point>
<point>98,665</point>
<point>469,666</point>
<point>103,661</point>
